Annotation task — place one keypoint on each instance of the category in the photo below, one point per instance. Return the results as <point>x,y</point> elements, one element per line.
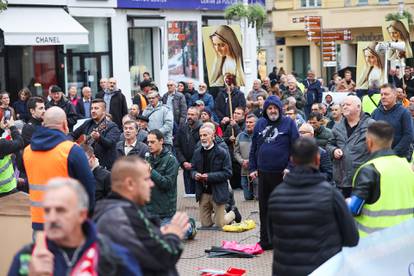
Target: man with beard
<point>100,133</point>
<point>115,102</point>
<point>313,93</point>
<point>203,95</point>
<point>185,144</point>
<point>272,140</point>
<point>211,169</point>
<point>36,106</point>
<point>58,100</point>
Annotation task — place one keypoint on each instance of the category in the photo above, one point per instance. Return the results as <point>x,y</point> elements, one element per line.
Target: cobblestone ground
<point>194,257</point>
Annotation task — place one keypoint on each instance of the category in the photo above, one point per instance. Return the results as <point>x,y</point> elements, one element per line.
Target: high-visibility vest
<point>41,166</point>
<point>370,104</point>
<point>7,180</point>
<point>396,201</point>
<point>143,102</point>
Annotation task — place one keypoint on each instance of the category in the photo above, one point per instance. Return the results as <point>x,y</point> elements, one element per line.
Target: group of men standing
<point>138,209</point>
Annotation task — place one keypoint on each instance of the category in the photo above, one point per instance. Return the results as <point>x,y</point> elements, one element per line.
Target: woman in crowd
<point>20,106</point>
<point>182,87</point>
<point>229,56</point>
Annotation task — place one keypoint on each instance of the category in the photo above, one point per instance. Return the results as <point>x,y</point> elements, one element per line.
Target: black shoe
<point>265,246</point>
<point>238,217</point>
<point>228,208</point>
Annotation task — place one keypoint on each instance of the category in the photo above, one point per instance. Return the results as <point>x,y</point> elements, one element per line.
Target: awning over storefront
<point>41,26</point>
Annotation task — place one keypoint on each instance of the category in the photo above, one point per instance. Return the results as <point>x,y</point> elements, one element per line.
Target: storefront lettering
<point>47,40</point>
<point>369,37</point>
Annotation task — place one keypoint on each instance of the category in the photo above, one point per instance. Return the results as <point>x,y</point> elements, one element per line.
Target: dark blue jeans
<point>247,188</point>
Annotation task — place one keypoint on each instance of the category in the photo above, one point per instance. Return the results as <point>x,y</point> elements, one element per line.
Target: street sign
<point>329,64</point>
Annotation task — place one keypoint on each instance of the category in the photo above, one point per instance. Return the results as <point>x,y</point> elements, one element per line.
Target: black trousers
<point>267,183</point>
<point>235,180</point>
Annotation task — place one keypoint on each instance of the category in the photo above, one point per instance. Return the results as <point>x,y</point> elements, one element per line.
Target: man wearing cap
<point>58,100</point>
<point>143,130</point>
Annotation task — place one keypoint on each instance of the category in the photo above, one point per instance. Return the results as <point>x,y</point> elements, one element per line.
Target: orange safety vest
<point>41,166</point>
<point>143,102</point>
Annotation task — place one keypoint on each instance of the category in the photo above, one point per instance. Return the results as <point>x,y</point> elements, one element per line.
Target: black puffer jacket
<point>310,222</point>
<point>127,224</point>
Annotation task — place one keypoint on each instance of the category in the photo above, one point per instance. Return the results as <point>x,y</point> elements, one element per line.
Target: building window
<point>362,2</point>
<point>310,3</point>
<point>140,55</point>
<point>383,1</point>
<point>87,64</point>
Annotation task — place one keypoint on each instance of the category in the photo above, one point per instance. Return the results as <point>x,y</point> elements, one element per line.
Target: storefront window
<point>141,55</point>
<point>87,64</point>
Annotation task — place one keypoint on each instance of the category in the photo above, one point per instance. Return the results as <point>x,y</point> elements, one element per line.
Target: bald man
<point>325,166</point>
<point>347,148</point>
<point>50,155</point>
<point>122,217</point>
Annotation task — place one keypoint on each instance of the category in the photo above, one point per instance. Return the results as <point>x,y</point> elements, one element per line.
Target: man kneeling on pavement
<point>211,169</point>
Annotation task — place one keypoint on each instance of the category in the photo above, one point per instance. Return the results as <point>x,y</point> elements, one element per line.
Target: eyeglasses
<point>170,84</point>
<point>202,86</point>
<point>304,132</point>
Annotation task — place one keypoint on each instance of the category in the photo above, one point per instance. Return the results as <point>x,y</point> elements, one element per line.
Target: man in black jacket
<point>299,207</point>
<point>100,133</point>
<point>211,169</point>
<point>185,144</point>
<point>223,100</point>
<point>36,107</point>
<point>122,218</point>
<point>83,108</point>
<point>115,102</point>
<point>130,144</point>
<point>58,100</point>
<point>102,175</point>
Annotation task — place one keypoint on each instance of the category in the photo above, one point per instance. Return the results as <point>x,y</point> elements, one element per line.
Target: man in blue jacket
<point>272,140</point>
<point>397,116</point>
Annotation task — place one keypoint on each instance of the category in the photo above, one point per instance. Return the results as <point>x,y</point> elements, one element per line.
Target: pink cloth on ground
<point>246,248</point>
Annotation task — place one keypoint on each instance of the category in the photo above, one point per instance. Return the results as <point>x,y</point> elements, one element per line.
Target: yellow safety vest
<point>396,201</point>
<point>370,104</point>
<point>7,180</point>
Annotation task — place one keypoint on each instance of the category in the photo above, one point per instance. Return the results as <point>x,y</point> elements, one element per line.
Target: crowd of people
<point>311,163</point>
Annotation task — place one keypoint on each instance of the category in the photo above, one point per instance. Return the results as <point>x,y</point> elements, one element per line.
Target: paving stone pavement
<point>194,257</point>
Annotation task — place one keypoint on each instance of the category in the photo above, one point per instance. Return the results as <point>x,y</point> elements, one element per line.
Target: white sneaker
<point>189,195</point>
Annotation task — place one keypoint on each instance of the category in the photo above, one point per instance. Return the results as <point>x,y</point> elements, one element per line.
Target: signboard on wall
<point>182,50</point>
<point>180,4</point>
